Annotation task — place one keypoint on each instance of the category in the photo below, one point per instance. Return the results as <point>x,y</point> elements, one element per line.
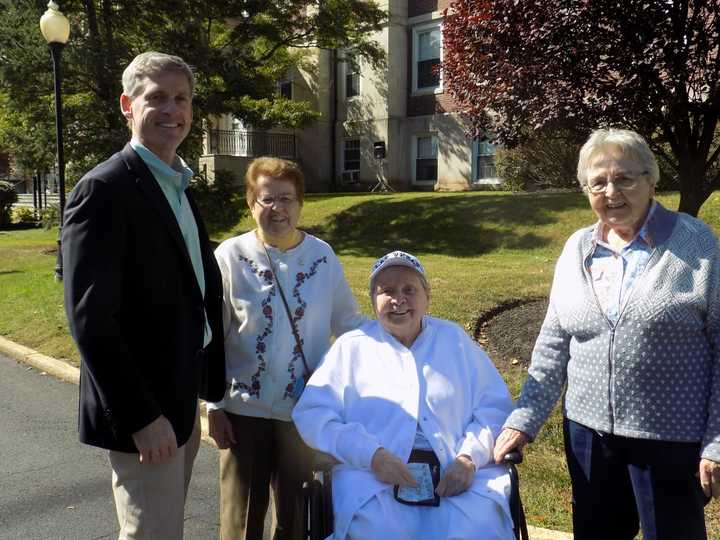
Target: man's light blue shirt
<point>614,274</point>
<point>173,182</point>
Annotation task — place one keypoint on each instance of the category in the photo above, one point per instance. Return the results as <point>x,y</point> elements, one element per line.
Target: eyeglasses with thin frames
<point>623,183</point>
<point>267,201</point>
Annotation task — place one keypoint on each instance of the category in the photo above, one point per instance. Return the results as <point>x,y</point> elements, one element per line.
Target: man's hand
<point>156,442</point>
<point>389,469</point>
<point>508,440</point>
<point>458,477</point>
<point>220,429</point>
<point>709,474</point>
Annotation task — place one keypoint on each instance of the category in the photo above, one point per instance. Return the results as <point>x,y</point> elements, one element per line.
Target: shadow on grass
<point>6,272</point>
<point>19,226</point>
<point>458,225</point>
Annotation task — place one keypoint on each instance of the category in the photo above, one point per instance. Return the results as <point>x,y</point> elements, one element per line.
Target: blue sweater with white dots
<point>655,373</point>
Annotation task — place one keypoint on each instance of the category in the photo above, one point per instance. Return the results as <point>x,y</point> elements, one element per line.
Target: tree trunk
<point>692,193</point>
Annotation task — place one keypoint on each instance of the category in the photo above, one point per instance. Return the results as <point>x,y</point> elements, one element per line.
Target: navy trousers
<point>620,483</point>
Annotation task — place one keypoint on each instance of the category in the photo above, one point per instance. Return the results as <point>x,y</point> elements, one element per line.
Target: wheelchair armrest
<point>324,462</point>
<point>513,457</point>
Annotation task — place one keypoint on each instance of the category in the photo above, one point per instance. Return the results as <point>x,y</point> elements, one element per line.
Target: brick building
<point>403,106</point>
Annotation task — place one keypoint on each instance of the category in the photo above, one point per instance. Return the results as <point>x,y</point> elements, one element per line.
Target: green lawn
<point>480,249</point>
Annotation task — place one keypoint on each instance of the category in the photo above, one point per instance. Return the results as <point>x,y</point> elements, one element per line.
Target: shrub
<point>549,160</point>
<point>222,202</point>
<point>8,196</point>
<point>668,180</point>
<point>50,216</point>
<point>544,161</point>
<point>23,215</point>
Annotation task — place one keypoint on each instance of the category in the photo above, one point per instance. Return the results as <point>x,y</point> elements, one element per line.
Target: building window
<point>484,162</point>
<point>351,155</point>
<point>425,163</point>
<point>427,55</point>
<point>285,89</point>
<point>352,77</point>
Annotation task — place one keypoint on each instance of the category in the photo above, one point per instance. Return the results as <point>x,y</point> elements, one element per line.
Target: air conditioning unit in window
<point>351,177</point>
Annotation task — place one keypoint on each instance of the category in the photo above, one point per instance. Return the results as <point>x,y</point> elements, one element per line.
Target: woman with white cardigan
<point>285,295</point>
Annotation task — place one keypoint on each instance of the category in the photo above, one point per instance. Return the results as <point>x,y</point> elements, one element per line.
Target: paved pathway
<point>52,487</point>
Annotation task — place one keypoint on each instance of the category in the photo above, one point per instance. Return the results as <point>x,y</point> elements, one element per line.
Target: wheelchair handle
<point>324,462</point>
<point>514,457</point>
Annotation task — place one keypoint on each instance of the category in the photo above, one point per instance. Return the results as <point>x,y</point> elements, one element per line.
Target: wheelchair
<point>318,510</point>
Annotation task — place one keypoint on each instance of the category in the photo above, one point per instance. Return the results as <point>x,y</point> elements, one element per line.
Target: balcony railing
<point>250,143</point>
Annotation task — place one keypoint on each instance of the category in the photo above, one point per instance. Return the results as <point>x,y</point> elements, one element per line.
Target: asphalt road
<point>51,486</point>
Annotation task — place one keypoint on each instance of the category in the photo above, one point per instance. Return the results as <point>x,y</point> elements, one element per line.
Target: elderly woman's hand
<point>220,428</point>
<point>390,469</point>
<point>508,440</point>
<point>458,477</point>
<point>710,477</point>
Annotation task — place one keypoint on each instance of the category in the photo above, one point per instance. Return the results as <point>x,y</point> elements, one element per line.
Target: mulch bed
<point>508,331</point>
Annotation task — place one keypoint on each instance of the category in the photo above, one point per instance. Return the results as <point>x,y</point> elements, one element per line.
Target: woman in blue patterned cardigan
<point>633,332</point>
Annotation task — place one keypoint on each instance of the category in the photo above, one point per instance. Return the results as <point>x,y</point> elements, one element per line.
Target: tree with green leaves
<point>240,48</point>
<point>521,68</point>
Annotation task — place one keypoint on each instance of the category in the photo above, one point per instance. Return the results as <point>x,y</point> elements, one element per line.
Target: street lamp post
<point>55,29</point>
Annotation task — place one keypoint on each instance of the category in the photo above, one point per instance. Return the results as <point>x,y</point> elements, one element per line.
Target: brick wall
<point>430,104</point>
<point>420,7</point>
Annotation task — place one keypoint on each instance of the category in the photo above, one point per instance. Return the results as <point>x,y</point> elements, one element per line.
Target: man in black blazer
<point>143,296</point>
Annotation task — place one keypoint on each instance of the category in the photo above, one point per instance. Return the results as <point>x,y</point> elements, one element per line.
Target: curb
<point>59,369</point>
<point>47,365</point>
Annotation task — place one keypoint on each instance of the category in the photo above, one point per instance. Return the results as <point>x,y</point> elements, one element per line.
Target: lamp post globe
<point>54,25</point>
<point>55,29</point>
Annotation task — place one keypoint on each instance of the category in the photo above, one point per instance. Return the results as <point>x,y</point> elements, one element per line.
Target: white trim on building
<point>427,48</point>
<point>349,77</point>
<point>483,164</point>
<point>422,154</point>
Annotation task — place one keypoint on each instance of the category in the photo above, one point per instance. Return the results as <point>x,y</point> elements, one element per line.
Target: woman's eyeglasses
<point>623,183</point>
<point>282,200</point>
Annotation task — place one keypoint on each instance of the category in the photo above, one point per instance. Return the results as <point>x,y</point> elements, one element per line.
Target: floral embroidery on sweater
<point>260,347</point>
<point>253,389</point>
<point>300,279</point>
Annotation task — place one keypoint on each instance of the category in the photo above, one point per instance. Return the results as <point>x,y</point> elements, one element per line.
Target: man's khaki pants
<point>150,499</point>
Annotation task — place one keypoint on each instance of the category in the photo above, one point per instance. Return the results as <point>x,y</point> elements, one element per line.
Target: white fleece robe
<point>372,391</point>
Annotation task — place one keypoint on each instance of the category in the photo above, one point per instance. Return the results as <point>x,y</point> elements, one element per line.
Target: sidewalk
<point>65,372</point>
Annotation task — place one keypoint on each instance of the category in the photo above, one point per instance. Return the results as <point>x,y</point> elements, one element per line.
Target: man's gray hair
<point>625,140</point>
<point>150,63</point>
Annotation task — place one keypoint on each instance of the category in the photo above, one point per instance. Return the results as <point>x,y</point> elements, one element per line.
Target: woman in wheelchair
<point>410,407</point>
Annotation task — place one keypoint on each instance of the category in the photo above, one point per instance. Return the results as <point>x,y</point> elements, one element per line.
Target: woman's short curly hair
<point>276,168</point>
<point>628,142</point>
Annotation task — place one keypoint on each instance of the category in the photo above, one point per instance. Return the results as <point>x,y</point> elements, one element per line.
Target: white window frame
<point>414,158</point>
<point>344,145</point>
<point>344,72</point>
<point>416,31</point>
<point>493,181</point>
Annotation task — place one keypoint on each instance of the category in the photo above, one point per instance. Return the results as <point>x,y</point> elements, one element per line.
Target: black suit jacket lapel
<point>149,187</point>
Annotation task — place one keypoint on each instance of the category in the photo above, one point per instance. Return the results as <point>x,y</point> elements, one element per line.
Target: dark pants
<point>619,483</point>
<point>267,453</point>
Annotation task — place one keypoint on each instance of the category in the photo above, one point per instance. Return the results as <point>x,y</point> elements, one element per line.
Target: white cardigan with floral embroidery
<point>262,360</point>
